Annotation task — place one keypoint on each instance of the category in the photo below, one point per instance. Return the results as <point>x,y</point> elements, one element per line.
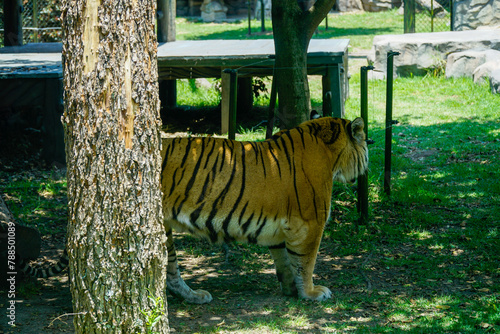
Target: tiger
<point>274,193</point>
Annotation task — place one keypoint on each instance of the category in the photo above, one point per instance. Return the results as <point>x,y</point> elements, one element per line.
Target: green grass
<point>427,262</point>
<point>360,28</point>
<point>36,198</point>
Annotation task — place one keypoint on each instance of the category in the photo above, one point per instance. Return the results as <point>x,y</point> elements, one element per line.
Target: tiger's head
<point>346,141</point>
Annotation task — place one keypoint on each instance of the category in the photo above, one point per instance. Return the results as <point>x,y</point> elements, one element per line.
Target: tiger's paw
<point>179,288</point>
<point>318,293</point>
<point>198,297</point>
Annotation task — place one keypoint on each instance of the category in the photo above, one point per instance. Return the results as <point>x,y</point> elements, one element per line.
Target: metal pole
<point>452,16</point>
<point>409,16</point>
<point>35,19</point>
<point>249,17</point>
<point>13,23</point>
<point>262,16</point>
<point>389,122</point>
<point>432,15</point>
<point>363,179</point>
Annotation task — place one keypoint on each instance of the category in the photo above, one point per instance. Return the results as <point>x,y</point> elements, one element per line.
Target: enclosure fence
<point>428,15</point>
<point>41,21</point>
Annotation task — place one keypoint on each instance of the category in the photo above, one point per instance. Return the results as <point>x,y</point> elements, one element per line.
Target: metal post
<point>262,16</point>
<point>452,15</point>
<point>432,15</point>
<point>409,16</point>
<point>249,8</point>
<point>389,122</point>
<point>13,23</point>
<point>363,179</point>
<point>35,19</point>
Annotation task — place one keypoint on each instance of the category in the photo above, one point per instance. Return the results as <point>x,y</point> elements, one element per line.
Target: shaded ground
<point>386,277</point>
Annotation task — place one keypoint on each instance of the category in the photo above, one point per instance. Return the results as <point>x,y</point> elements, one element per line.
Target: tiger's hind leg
<point>284,270</point>
<point>302,245</point>
<point>175,283</point>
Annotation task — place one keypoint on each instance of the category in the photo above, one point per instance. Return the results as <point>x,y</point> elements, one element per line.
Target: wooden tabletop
<point>240,52</point>
<point>44,59</point>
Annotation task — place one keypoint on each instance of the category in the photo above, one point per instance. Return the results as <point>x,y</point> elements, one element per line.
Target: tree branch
<point>316,14</point>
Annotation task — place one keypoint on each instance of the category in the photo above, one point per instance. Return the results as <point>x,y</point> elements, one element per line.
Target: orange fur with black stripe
<point>275,193</point>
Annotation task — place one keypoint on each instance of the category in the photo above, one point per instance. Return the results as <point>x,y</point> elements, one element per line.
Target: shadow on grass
<point>427,262</point>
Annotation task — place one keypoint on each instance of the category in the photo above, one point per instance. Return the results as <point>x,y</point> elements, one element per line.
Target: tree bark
<point>293,28</point>
<point>116,240</point>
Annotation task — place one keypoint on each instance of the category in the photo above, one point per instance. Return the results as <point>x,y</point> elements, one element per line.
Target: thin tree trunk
<point>116,241</point>
<point>293,28</point>
<point>290,74</point>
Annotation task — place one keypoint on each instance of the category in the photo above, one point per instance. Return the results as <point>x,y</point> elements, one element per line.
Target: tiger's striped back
<point>229,190</point>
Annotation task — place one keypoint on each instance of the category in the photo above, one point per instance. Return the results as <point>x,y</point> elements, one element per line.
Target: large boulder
<point>464,63</point>
<point>348,5</point>
<point>495,81</point>
<point>424,52</point>
<point>471,14</point>
<point>483,72</point>
<point>380,5</point>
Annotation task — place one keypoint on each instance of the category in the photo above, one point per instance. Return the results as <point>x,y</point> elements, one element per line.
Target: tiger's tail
<point>54,270</point>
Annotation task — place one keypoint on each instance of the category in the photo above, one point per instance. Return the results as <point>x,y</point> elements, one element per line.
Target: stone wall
<point>471,14</point>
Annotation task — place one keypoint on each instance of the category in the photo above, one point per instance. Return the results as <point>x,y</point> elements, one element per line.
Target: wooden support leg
<point>332,106</point>
<point>52,130</point>
<point>229,103</point>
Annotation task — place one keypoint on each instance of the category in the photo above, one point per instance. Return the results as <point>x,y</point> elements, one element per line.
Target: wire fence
<point>41,21</point>
<point>433,16</point>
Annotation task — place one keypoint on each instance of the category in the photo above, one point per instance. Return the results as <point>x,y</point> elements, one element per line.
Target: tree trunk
<point>293,28</point>
<point>116,240</point>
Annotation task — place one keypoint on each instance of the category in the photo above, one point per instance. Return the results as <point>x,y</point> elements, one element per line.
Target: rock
<point>424,52</point>
<point>380,5</point>
<point>213,10</point>
<point>27,239</point>
<point>470,14</point>
<point>484,71</point>
<point>349,5</point>
<point>464,63</point>
<point>495,81</point>
<point>258,10</point>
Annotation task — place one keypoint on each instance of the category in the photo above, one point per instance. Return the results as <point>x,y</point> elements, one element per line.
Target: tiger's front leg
<point>175,283</point>
<point>302,246</point>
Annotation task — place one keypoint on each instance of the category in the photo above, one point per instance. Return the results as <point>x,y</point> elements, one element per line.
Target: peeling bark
<point>116,242</point>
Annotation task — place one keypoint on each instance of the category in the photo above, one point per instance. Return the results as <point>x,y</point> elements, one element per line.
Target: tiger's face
<point>346,142</point>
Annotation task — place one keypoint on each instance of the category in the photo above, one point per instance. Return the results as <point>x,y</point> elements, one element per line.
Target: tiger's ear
<point>314,115</point>
<point>357,127</point>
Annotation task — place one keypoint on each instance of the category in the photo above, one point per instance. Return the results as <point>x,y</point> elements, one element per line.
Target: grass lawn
<point>426,262</point>
<point>360,28</point>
